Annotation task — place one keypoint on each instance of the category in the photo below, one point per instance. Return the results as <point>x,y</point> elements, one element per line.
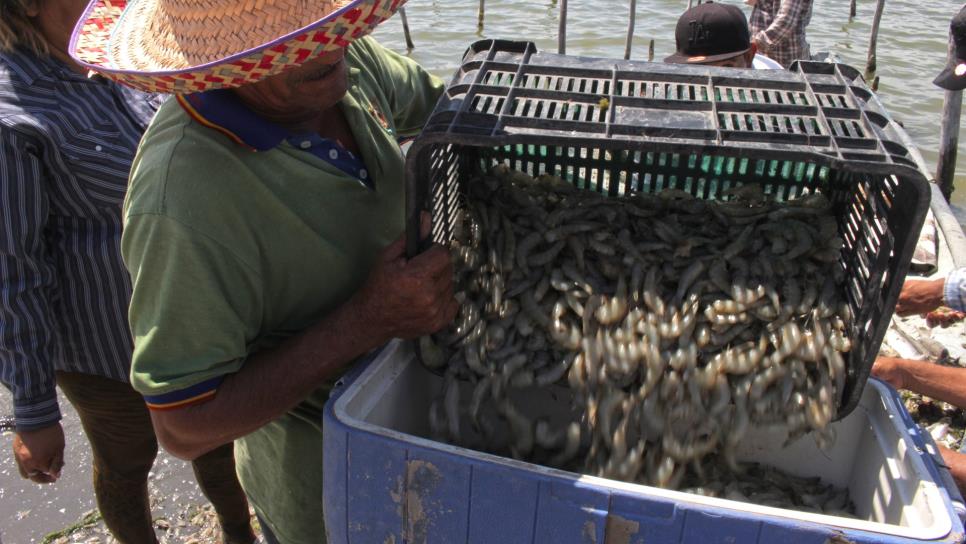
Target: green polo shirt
<point>232,250</point>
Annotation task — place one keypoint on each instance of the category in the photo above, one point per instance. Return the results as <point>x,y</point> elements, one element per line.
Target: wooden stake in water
<point>405,23</point>
<point>650,51</point>
<point>949,134</point>
<point>630,30</point>
<point>872,64</point>
<point>562,33</point>
<point>479,25</point>
<point>851,10</point>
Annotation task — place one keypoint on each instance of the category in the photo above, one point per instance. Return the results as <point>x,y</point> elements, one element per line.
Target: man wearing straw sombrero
<point>263,224</point>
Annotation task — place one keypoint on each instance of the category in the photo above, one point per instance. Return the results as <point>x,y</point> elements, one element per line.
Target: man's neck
<point>60,53</point>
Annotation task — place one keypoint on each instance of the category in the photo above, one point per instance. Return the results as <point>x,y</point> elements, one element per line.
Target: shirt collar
<point>222,110</point>
<point>31,67</point>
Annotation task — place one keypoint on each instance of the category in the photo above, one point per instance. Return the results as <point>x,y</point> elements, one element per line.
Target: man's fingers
<point>425,225</point>
<point>431,262</point>
<point>395,250</point>
<point>22,470</point>
<point>42,478</point>
<point>55,466</point>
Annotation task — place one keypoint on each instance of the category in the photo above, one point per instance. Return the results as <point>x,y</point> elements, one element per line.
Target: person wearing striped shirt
<point>778,28</point>
<point>66,145</point>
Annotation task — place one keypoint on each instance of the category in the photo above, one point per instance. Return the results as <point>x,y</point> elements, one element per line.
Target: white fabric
<point>761,62</point>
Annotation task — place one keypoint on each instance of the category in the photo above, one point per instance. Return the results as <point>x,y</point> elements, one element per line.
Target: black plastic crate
<point>615,127</point>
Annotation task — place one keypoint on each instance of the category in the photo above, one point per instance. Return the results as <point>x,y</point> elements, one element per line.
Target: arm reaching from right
<point>956,462</point>
<point>943,383</point>
<point>922,296</point>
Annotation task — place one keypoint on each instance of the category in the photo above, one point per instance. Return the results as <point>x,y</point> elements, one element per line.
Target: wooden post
<point>690,4</point>
<point>851,10</point>
<point>405,23</point>
<point>562,33</point>
<point>479,25</point>
<point>650,51</point>
<point>949,133</point>
<point>871,64</point>
<point>630,30</point>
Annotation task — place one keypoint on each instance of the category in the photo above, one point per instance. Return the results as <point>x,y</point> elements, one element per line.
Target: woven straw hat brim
<point>186,46</point>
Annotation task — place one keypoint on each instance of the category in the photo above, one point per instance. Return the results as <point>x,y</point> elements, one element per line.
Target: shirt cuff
<point>954,290</point>
<point>196,394</point>
<point>36,413</point>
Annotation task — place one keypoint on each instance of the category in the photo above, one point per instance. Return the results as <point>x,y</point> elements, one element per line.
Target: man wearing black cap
<point>714,34</point>
<point>953,77</point>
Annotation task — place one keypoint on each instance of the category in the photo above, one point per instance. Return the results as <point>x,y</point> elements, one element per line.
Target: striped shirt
<point>954,291</point>
<point>66,144</point>
<point>778,27</point>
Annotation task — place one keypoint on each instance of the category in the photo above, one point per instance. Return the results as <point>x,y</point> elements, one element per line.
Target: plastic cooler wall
<point>386,483</point>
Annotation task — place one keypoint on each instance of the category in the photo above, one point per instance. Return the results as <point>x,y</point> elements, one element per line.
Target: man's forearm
<point>943,383</point>
<point>270,383</point>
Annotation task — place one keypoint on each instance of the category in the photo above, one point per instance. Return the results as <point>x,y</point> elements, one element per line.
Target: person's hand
<point>409,298</point>
<point>751,3</point>
<point>890,370</point>
<point>40,454</point>
<point>920,296</point>
<point>944,317</point>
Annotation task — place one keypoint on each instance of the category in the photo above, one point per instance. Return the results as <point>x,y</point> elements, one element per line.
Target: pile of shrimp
<point>676,323</point>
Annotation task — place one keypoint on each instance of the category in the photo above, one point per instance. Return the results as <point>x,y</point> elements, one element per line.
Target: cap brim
<point>680,58</point>
<point>947,79</point>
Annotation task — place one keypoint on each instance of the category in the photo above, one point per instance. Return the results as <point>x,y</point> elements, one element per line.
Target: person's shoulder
<point>179,161</point>
<point>375,60</point>
<point>25,86</point>
<point>366,52</point>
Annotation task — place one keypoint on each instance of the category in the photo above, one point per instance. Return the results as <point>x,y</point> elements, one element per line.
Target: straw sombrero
<point>188,46</point>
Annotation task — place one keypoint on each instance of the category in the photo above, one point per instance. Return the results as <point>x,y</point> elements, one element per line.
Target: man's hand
<point>919,297</point>
<point>890,370</point>
<point>409,298</point>
<point>40,453</point>
<point>944,317</point>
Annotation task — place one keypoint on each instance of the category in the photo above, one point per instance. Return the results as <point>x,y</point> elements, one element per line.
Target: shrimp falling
<point>676,323</point>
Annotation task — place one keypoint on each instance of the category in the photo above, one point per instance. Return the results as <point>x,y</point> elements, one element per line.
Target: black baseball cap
<point>710,32</point>
<point>953,77</point>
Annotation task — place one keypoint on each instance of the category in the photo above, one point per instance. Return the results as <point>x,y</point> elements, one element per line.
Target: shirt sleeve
<point>26,358</point>
<point>412,91</point>
<point>955,290</point>
<point>786,21</point>
<point>195,310</point>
